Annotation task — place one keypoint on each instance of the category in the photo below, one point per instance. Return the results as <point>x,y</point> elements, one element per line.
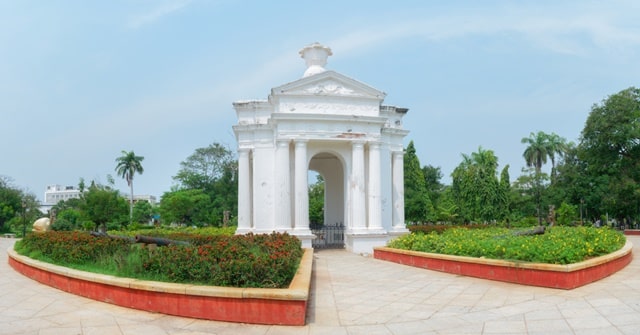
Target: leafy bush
<point>558,245</point>
<point>439,228</point>
<point>219,260</point>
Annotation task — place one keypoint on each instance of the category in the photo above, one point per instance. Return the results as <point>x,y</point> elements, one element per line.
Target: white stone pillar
<point>283,184</point>
<point>244,192</point>
<point>373,188</point>
<point>398,190</point>
<point>301,209</point>
<point>357,187</point>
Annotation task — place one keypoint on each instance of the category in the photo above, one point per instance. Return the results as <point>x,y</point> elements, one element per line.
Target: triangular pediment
<point>328,83</point>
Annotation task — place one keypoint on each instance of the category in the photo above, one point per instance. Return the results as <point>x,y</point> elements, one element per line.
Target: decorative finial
<point>315,56</point>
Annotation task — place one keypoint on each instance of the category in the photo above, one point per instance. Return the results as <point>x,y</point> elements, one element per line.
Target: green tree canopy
<point>185,207</point>
<point>610,147</point>
<point>204,167</point>
<point>476,187</point>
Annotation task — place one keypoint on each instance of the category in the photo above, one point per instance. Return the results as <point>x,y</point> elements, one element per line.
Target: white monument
<point>334,125</point>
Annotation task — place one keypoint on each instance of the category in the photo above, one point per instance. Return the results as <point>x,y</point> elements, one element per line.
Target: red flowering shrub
<point>63,247</point>
<point>237,261</point>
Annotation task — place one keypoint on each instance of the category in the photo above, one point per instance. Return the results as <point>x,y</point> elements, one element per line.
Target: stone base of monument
<point>363,242</point>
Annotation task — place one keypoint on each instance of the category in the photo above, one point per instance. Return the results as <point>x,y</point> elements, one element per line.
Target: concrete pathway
<point>352,294</point>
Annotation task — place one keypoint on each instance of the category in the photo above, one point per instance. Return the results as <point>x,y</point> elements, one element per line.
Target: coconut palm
<point>537,150</point>
<point>128,165</point>
<point>536,155</point>
<point>556,145</point>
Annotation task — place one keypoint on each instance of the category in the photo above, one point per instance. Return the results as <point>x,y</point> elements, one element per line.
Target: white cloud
<point>565,30</point>
<point>157,13</point>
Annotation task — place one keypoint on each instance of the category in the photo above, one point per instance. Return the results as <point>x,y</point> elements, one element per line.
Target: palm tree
<point>536,155</point>
<point>555,145</point>
<point>537,150</point>
<point>128,165</point>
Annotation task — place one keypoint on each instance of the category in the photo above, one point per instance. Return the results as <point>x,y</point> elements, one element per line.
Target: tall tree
<point>610,146</point>
<point>127,166</point>
<point>103,205</point>
<point>537,150</point>
<point>535,155</point>
<point>204,167</point>
<point>557,146</point>
<point>476,187</point>
<point>417,205</point>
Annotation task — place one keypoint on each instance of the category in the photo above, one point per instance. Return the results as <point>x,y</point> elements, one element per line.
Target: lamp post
<point>24,221</point>
<point>581,203</point>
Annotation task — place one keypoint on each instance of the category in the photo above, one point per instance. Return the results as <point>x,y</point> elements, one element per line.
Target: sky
<point>80,81</point>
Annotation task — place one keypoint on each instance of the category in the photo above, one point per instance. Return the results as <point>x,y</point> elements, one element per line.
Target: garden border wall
<point>565,277</point>
<point>248,305</point>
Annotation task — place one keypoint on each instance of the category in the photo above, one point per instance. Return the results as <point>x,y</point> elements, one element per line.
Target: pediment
<point>328,83</point>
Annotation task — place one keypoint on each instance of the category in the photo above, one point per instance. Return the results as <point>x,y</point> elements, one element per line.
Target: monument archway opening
<point>329,234</point>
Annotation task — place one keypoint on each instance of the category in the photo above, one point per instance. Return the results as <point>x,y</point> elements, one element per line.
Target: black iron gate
<point>327,236</point>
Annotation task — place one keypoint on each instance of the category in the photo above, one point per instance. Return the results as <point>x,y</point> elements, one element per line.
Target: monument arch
<point>332,124</point>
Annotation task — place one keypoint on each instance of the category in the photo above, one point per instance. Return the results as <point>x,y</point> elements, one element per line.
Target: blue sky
<point>80,81</point>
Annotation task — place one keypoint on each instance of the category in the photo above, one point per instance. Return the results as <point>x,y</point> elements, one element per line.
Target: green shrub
<point>558,245</point>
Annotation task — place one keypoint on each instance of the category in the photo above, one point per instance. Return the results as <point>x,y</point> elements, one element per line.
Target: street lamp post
<point>24,221</point>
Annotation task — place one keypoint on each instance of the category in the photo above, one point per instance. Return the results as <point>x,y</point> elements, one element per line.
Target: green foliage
<point>68,220</point>
<point>103,205</point>
<point>12,213</point>
<point>418,207</point>
<point>567,214</point>
<point>316,201</point>
<point>142,212</point>
<point>476,188</point>
<point>185,207</point>
<point>610,147</point>
<point>212,172</point>
<point>268,261</point>
<point>558,245</point>
<point>204,167</point>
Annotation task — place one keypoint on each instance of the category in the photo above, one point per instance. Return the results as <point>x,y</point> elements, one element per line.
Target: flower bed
<point>248,305</point>
<point>562,257</point>
<point>260,261</point>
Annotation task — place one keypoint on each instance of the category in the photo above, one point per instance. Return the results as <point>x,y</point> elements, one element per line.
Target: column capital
<point>282,142</point>
<point>374,144</point>
<point>397,153</point>
<point>358,143</point>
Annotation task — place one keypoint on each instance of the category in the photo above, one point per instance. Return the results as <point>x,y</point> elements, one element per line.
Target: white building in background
<point>56,193</point>
<point>336,126</point>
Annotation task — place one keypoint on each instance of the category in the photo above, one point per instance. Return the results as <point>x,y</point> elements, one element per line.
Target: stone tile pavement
<point>352,294</point>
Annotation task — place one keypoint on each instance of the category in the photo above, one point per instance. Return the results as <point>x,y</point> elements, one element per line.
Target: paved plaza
<point>352,294</point>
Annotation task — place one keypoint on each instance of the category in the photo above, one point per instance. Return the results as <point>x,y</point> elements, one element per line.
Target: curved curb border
<point>565,277</point>
<point>248,305</point>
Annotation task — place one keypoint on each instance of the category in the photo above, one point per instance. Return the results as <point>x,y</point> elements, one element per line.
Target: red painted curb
<point>255,306</point>
<point>533,274</point>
